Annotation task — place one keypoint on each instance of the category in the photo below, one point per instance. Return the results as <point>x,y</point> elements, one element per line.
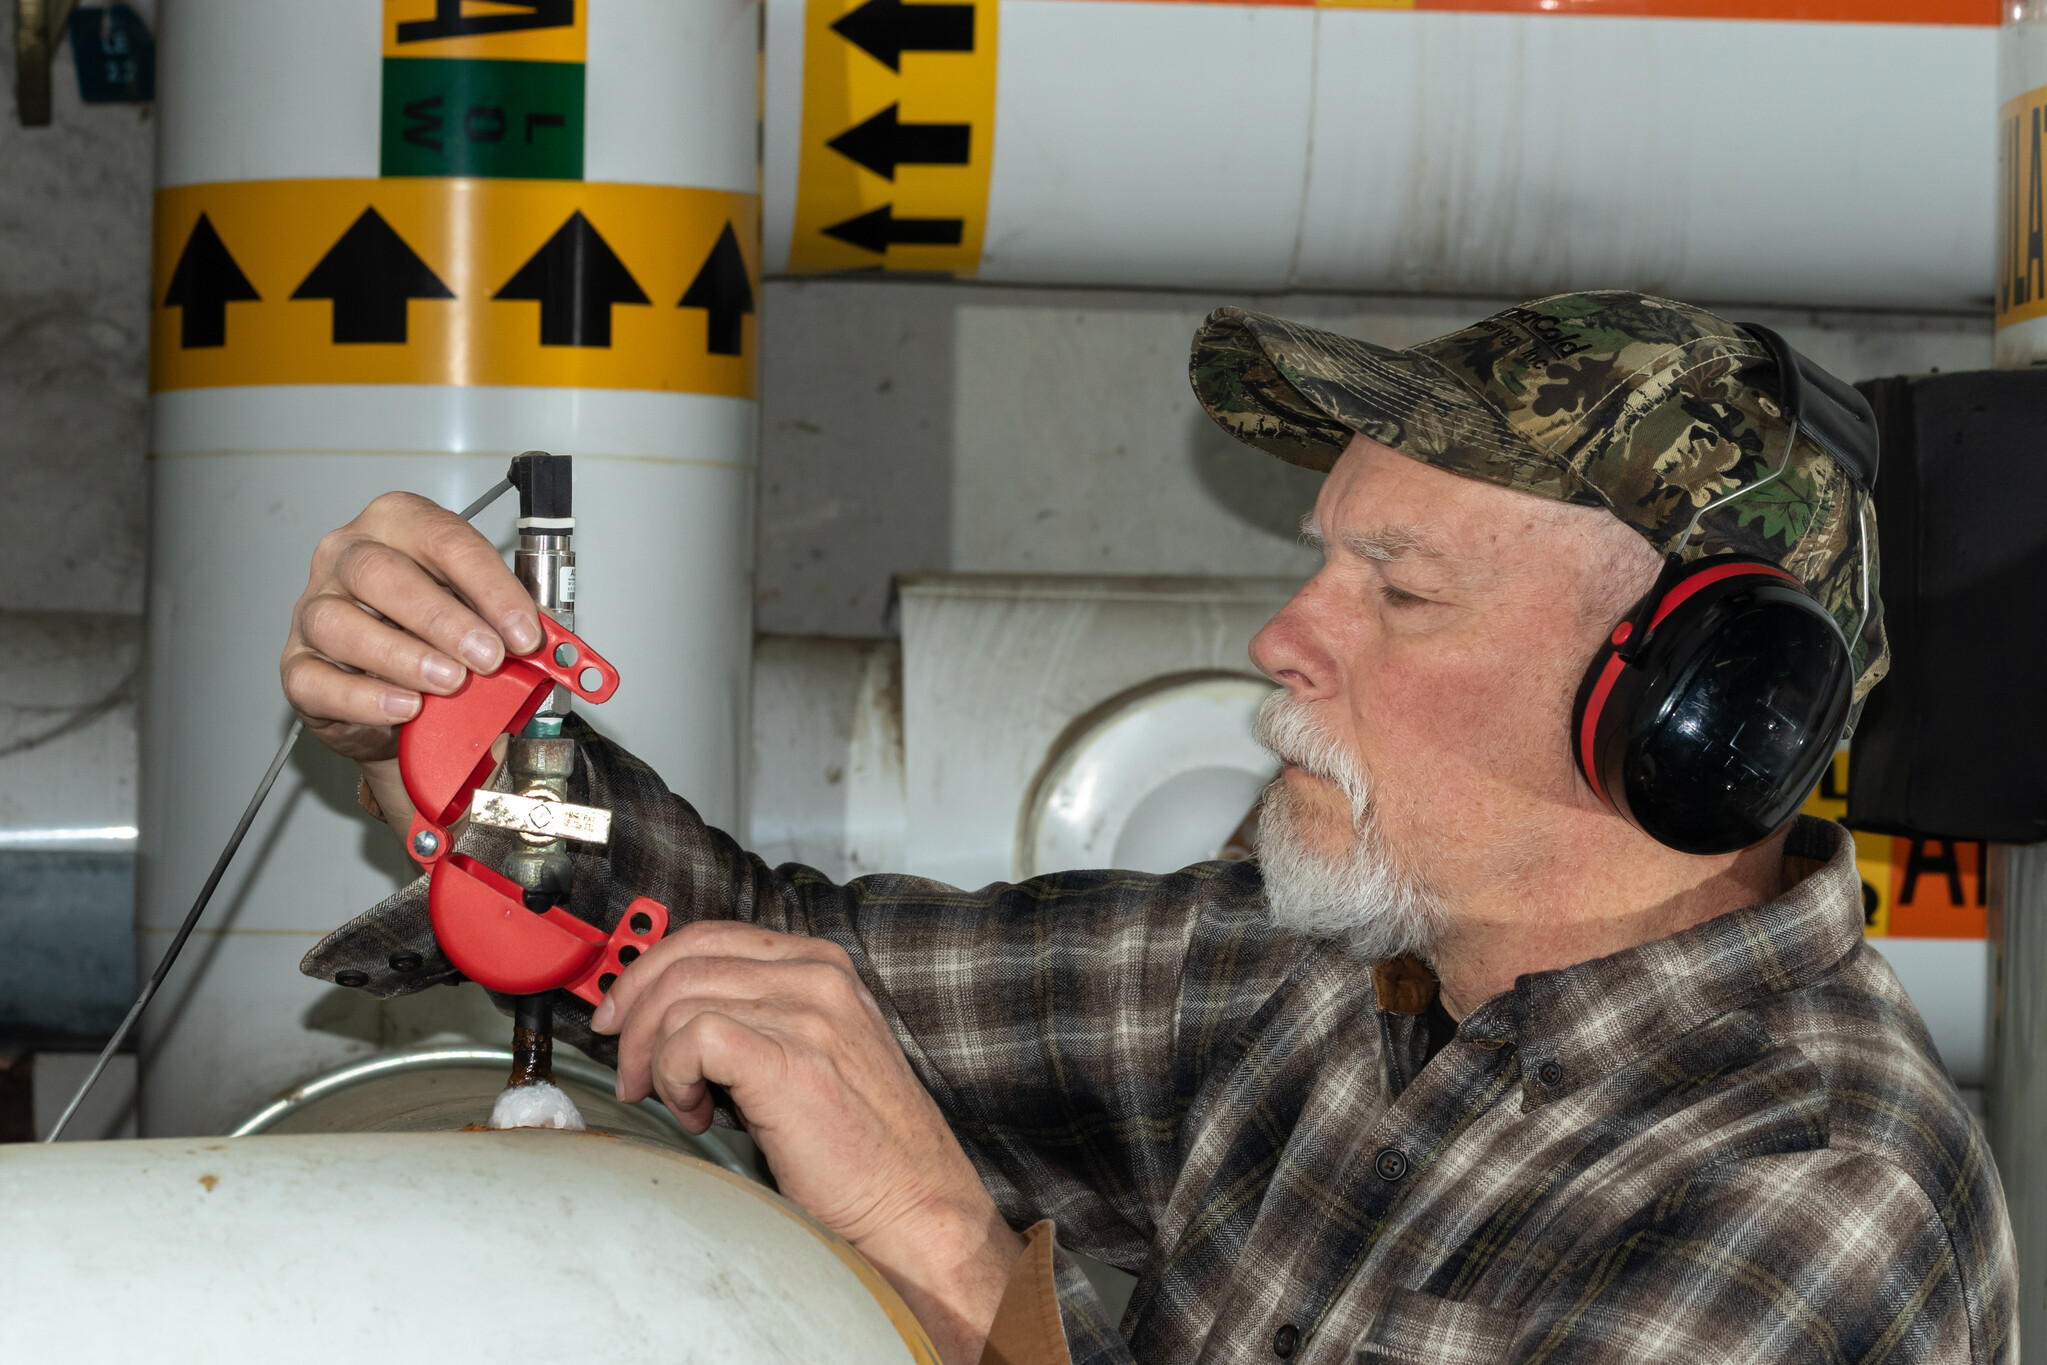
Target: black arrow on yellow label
<point>881,143</point>
<point>886,29</point>
<point>575,278</point>
<point>370,274</point>
<point>881,229</point>
<point>722,291</point>
<point>204,283</point>
<point>451,19</point>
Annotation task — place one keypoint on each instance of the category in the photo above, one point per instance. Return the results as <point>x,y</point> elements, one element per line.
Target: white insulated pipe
<point>1283,146</point>
<point>279,416</point>
<point>424,1248</point>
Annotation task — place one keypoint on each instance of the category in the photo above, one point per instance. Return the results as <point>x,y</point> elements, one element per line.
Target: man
<point>1637,1105</point>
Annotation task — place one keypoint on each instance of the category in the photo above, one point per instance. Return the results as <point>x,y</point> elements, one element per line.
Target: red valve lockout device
<point>479,916</point>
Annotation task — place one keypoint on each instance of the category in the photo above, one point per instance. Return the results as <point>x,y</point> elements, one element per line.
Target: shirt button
<point>1550,1073</point>
<point>1284,1341</point>
<point>1390,1164</point>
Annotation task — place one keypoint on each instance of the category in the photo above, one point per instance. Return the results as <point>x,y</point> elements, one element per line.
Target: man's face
<point>1439,650</point>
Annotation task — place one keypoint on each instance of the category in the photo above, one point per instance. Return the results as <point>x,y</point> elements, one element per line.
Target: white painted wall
<point>930,427</point>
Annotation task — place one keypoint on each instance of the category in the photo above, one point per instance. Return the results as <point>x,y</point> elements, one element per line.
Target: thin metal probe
<point>497,490</point>
<point>163,967</point>
<point>227,854</point>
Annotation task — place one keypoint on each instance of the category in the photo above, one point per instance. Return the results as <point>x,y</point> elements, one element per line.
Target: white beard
<point>1362,895</point>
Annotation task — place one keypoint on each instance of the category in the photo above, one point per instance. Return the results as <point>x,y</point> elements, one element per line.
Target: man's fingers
<point>403,593</point>
<point>324,694</point>
<point>708,938</point>
<point>459,555</point>
<point>785,996</point>
<point>644,1021</point>
<point>711,1046</point>
<point>343,631</point>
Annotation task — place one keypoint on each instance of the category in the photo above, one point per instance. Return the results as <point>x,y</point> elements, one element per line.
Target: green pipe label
<point>490,119</point>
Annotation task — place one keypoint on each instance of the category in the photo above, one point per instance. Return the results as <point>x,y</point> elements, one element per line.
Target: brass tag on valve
<point>540,819</point>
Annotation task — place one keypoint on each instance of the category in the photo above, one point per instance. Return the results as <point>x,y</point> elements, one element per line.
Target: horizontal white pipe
<point>56,838</point>
<point>1289,147</point>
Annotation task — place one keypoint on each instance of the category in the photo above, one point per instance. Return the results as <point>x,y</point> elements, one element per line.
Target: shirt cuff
<point>1026,1330</point>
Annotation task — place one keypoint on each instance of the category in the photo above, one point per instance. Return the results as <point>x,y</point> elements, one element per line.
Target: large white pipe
<point>271,120</point>
<point>1281,146</point>
<point>424,1248</point>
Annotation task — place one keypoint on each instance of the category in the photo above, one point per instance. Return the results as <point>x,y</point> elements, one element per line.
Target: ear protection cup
<point>1706,718</point>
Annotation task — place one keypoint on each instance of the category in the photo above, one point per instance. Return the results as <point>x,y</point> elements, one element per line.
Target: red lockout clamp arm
<point>479,916</point>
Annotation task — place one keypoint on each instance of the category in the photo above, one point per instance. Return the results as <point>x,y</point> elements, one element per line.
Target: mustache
<point>1362,893</point>
<point>1289,728</point>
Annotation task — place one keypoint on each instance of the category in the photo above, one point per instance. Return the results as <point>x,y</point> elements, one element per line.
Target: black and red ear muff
<point>1707,716</point>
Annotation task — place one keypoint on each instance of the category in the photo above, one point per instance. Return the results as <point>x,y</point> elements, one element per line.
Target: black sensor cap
<point>545,484</point>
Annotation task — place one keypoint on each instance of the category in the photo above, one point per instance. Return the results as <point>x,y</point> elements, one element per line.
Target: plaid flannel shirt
<point>1733,1144</point>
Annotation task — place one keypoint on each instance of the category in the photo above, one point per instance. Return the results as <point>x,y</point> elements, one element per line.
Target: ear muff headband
<point>1704,718</point>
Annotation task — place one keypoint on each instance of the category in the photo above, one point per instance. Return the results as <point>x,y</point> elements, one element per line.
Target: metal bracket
<point>38,28</point>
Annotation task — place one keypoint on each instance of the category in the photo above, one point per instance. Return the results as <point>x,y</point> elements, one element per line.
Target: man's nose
<point>1289,650</point>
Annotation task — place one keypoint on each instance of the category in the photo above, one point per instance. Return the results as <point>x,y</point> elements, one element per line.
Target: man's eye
<point>1396,597</point>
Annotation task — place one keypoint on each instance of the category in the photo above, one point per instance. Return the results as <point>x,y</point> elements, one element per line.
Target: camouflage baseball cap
<point>1606,399</point>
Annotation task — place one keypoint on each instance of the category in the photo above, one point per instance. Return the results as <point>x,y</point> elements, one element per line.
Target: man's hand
<point>785,1025</point>
<point>399,601</point>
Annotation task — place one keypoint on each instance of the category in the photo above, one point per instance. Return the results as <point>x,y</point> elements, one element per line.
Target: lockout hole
<point>642,923</point>
<point>628,954</point>
<point>604,981</point>
<point>591,679</point>
<point>565,654</point>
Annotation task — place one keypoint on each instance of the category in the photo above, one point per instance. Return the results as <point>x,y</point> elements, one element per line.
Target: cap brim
<point>1301,393</point>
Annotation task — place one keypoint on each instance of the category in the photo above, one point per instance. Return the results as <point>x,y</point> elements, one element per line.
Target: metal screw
<point>426,843</point>
<point>351,977</point>
<point>405,962</point>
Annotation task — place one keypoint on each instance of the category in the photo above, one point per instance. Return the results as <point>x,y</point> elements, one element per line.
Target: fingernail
<point>401,705</point>
<point>600,1019</point>
<point>520,632</point>
<point>482,651</point>
<point>440,671</point>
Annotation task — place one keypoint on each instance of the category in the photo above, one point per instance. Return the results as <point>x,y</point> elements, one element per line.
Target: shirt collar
<point>1577,1023</point>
